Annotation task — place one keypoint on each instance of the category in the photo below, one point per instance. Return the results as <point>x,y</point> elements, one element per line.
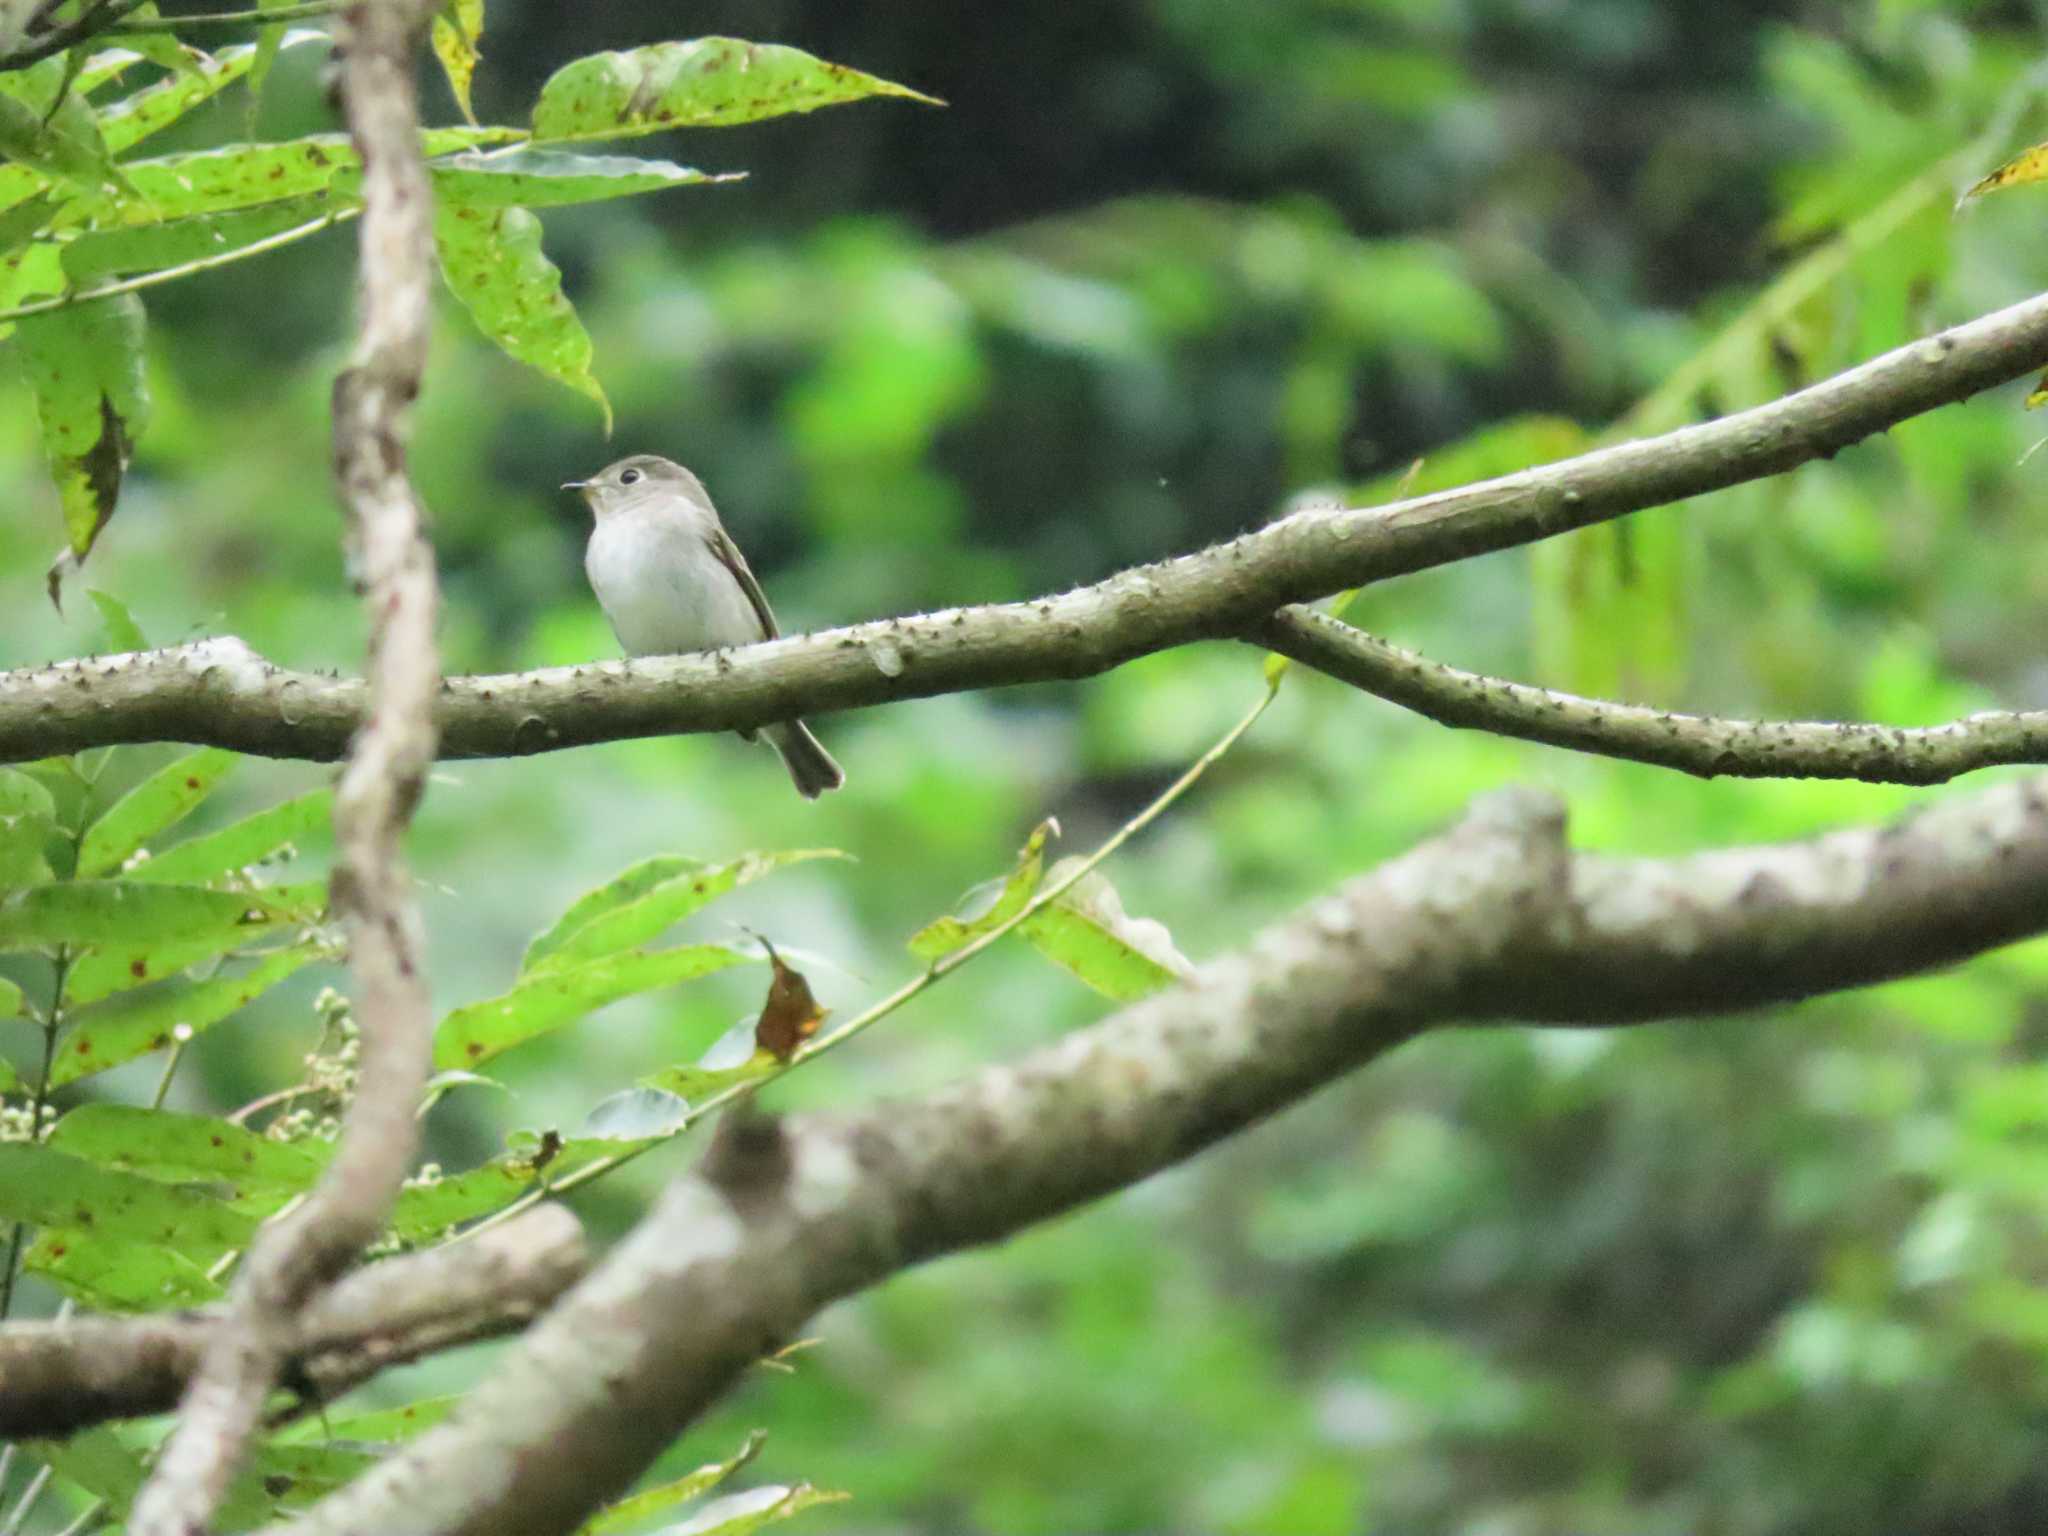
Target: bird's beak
<point>575,485</point>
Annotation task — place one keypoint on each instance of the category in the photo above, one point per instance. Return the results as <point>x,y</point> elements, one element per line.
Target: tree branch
<point>378,791</point>
<point>95,19</point>
<point>64,1377</point>
<point>1696,744</point>
<point>220,693</point>
<point>1495,920</point>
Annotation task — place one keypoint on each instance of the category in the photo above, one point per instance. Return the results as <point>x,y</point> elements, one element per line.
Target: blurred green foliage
<point>1162,266</point>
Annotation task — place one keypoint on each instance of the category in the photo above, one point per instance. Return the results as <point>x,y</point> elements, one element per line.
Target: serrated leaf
<point>125,914</point>
<point>1087,933</point>
<point>629,1514</point>
<point>100,254</point>
<point>458,28</point>
<point>183,1149</point>
<point>631,885</point>
<point>240,844</point>
<point>493,263</point>
<point>161,48</point>
<point>51,1189</point>
<point>121,1030</point>
<point>710,82</point>
<point>2029,165</point>
<point>124,635</point>
<point>540,178</point>
<point>107,1275</point>
<point>245,175</point>
<point>85,363</point>
<point>739,1514</point>
<point>159,801</point>
<point>653,908</point>
<point>561,994</point>
<point>128,122</point>
<point>120,967</point>
<point>988,906</point>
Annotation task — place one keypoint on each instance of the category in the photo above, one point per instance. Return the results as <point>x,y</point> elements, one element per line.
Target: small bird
<point>670,579</point>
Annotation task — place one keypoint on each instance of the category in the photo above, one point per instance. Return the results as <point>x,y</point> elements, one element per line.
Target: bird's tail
<point>809,764</point>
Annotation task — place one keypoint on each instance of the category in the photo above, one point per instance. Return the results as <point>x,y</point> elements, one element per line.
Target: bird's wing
<point>728,555</point>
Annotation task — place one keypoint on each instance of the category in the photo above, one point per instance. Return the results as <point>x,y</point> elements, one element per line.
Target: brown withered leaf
<point>791,1015</point>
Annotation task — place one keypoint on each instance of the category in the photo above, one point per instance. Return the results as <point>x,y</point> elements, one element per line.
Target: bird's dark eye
<point>629,476</point>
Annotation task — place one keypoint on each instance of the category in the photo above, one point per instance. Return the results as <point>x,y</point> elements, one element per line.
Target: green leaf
<point>128,122</point>
<point>184,1149</point>
<point>245,175</point>
<point>120,967</point>
<point>123,633</point>
<point>120,1031</point>
<point>112,1276</point>
<point>124,914</point>
<point>561,994</point>
<point>493,263</point>
<point>64,145</point>
<point>101,254</point>
<point>26,219</point>
<point>738,1514</point>
<point>711,82</point>
<point>987,906</point>
<point>458,28</point>
<point>269,43</point>
<point>693,1085</point>
<point>375,1425</point>
<point>161,48</point>
<point>645,907</point>
<point>159,801</point>
<point>10,1080</point>
<point>237,846</point>
<point>425,1211</point>
<point>12,1006</point>
<point>616,892</point>
<point>99,1461</point>
<point>1086,931</point>
<point>538,178</point>
<point>27,814</point>
<point>629,1514</point>
<point>41,1185</point>
<point>85,363</point>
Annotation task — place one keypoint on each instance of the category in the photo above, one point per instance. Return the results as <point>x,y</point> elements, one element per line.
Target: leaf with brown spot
<point>85,363</point>
<point>709,82</point>
<point>791,1015</point>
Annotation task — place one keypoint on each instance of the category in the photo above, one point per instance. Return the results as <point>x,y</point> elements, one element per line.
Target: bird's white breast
<point>663,589</point>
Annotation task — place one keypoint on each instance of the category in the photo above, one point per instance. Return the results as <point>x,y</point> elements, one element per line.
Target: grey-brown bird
<point>670,579</point>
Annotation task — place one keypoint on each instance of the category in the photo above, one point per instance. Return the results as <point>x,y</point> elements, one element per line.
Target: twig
<point>1696,744</point>
<point>293,1257</point>
<point>96,19</point>
<point>62,1379</point>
